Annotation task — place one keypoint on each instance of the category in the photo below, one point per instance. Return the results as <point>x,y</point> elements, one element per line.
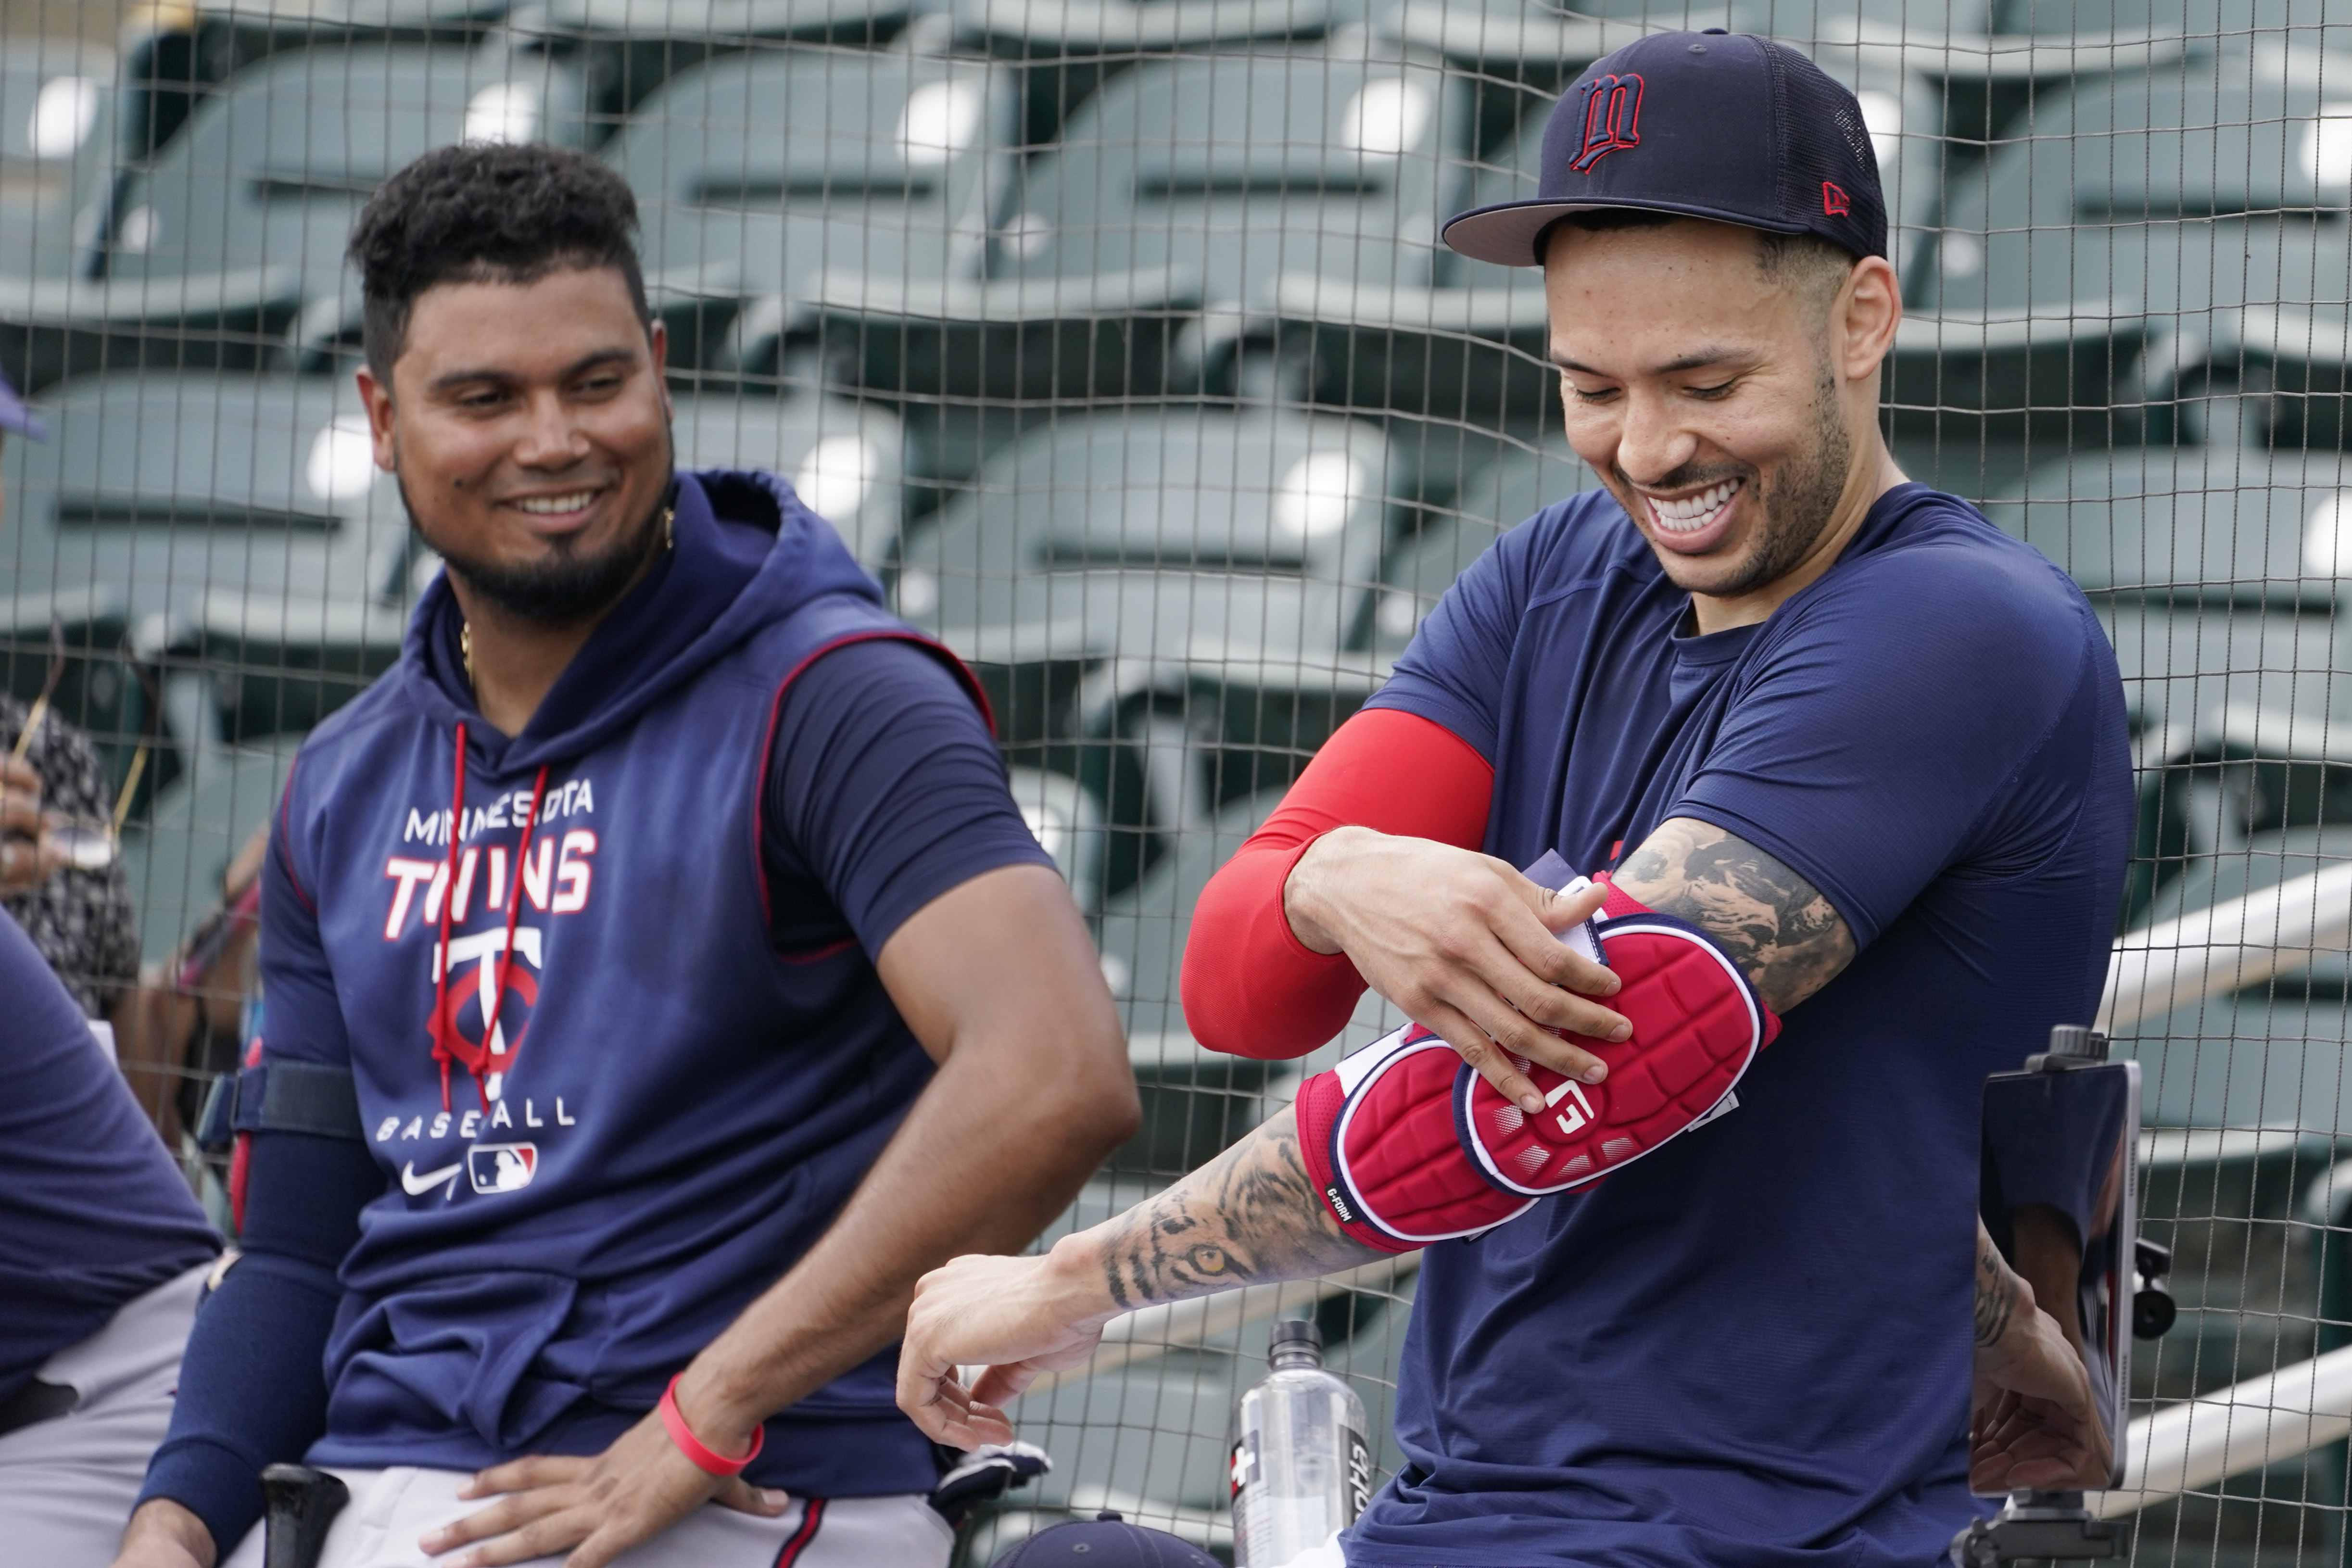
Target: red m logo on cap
<point>1612,119</point>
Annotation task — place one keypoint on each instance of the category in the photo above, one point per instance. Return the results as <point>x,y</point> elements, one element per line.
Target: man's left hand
<point>596,1508</point>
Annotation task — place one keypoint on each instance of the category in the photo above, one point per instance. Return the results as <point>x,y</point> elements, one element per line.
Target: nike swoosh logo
<point>416,1186</point>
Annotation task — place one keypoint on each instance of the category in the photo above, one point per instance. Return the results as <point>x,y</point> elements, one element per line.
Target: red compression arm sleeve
<point>1251,987</point>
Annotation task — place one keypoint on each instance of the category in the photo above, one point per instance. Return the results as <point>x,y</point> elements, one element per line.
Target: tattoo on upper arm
<point>1776,926</point>
<point>1251,1215</point>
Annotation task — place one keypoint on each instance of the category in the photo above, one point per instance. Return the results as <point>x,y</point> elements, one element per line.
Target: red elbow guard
<point>1408,1146</point>
<point>1377,1136</point>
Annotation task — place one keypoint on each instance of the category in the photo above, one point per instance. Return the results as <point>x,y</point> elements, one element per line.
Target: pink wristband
<point>710,1463</point>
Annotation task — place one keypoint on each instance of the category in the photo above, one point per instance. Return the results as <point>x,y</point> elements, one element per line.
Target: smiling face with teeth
<point>529,430</point>
<point>1729,404</point>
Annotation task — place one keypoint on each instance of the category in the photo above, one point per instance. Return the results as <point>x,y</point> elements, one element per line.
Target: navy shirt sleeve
<point>884,791</point>
<point>94,1213</point>
<point>1902,722</point>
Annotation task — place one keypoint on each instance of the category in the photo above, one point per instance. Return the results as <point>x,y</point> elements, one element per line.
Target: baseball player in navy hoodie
<point>696,983</point>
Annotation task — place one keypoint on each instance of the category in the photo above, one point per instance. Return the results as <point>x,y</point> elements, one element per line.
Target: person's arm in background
<point>252,1386</point>
<point>997,979</point>
<point>2030,1421</point>
<point>25,862</point>
<point>181,1024</point>
<point>82,919</point>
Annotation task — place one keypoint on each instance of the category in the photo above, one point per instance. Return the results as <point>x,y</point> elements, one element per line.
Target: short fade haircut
<point>487,212</point>
<point>1811,266</point>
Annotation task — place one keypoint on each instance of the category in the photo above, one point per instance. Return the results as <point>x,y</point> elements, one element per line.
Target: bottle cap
<point>1297,1338</point>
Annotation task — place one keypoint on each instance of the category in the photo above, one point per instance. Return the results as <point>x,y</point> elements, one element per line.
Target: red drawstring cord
<point>444,1026</point>
<point>514,909</point>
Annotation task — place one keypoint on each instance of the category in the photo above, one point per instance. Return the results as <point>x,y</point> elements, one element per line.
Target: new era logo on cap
<point>1714,125</point>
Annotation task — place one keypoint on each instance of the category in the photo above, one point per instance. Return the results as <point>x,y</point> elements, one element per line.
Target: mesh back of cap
<point>1825,141</point>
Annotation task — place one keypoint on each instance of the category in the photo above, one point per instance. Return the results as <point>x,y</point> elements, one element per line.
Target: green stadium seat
<point>2217,571</point>
<point>1109,29</point>
<point>1491,500</point>
<point>58,116</point>
<point>175,56</point>
<point>1469,341</point>
<point>2199,208</point>
<point>164,488</point>
<point>1330,161</point>
<point>1162,602</point>
<point>207,257</point>
<point>1069,48</point>
<point>272,171</point>
<point>1185,534</point>
<point>626,50</point>
<point>844,458</point>
<point>240,519</point>
<point>756,171</point>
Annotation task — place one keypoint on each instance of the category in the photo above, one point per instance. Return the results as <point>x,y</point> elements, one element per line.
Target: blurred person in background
<point>668,975</point>
<point>173,1024</point>
<point>103,1256</point>
<point>81,919</point>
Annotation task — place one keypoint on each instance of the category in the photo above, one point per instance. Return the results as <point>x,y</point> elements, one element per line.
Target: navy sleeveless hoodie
<point>635,1114</point>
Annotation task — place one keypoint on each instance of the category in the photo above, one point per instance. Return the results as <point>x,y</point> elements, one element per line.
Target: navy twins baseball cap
<point>1715,125</point>
<point>1105,1541</point>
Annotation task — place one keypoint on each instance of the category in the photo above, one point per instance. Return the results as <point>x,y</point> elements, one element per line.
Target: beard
<point>1795,508</point>
<point>569,585</point>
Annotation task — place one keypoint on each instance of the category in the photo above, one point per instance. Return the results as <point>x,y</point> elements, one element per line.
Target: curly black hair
<point>487,212</point>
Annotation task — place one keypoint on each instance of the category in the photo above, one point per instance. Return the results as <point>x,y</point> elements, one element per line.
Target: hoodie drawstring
<point>447,1044</point>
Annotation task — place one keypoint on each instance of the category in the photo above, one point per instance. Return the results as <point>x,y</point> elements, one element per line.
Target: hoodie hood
<point>746,554</point>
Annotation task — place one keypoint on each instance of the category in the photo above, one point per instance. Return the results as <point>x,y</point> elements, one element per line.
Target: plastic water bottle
<point>1301,1469</point>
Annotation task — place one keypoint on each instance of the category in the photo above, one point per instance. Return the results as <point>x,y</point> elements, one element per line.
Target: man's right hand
<point>1017,1316</point>
<point>1464,944</point>
<point>162,1535</point>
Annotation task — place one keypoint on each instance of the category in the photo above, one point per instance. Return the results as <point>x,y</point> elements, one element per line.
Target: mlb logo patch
<point>501,1167</point>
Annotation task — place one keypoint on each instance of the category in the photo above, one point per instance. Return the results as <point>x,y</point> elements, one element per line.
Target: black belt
<point>35,1403</point>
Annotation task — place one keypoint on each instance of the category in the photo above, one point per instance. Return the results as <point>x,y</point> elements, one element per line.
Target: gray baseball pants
<point>66,1484</point>
<point>390,1508</point>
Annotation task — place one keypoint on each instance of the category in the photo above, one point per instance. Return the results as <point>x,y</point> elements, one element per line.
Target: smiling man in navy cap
<point>1849,767</point>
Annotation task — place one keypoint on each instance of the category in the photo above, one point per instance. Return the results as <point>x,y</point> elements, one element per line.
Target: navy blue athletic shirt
<point>752,776</point>
<point>92,1211</point>
<point>1752,1348</point>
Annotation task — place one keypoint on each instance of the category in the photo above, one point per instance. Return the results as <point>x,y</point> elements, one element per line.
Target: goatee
<point>563,589</point>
